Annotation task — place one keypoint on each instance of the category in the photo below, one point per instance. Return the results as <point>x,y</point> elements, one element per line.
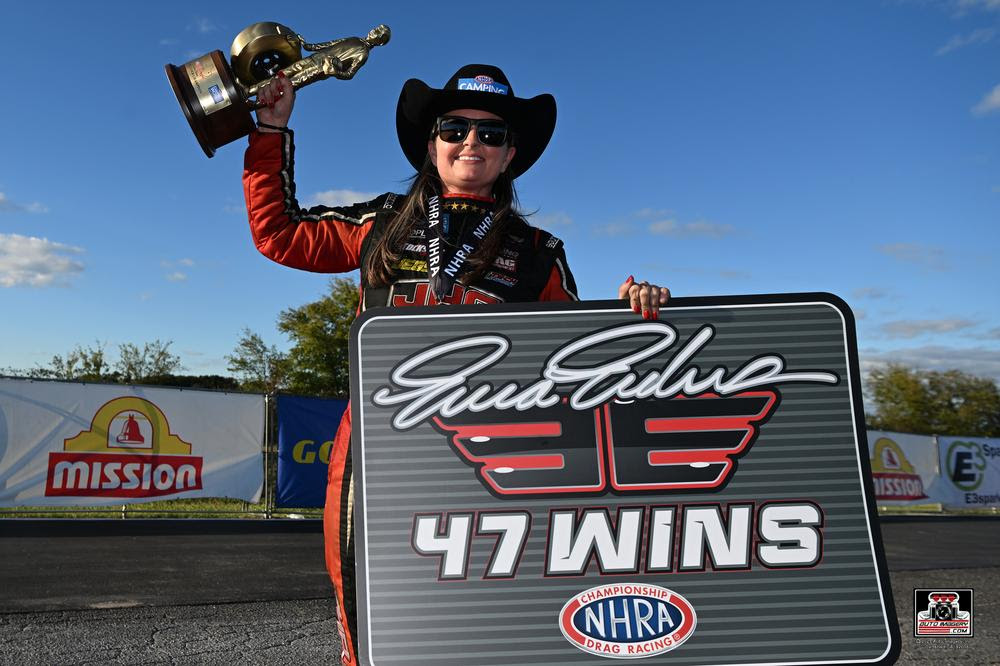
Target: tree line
<point>317,364</point>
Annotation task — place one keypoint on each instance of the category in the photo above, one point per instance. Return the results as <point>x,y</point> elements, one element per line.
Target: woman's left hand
<point>644,297</point>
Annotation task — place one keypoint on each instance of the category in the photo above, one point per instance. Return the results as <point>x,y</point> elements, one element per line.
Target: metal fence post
<point>937,467</point>
<point>268,500</point>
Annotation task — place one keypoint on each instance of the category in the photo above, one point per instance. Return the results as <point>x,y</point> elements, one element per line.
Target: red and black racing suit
<point>531,266</point>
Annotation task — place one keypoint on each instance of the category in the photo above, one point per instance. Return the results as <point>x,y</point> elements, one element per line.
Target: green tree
<point>259,368</point>
<point>318,362</point>
<point>80,364</point>
<point>153,360</point>
<point>151,364</point>
<point>929,402</point>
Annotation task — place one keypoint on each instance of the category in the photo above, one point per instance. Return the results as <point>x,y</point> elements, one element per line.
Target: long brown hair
<point>380,268</point>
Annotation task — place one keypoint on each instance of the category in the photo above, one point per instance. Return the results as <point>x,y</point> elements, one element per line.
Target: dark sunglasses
<point>454,129</point>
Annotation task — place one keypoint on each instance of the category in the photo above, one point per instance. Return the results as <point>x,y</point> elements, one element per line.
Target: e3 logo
<point>966,465</point>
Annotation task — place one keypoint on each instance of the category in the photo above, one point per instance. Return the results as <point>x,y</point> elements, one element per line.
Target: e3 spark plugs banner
<point>568,484</point>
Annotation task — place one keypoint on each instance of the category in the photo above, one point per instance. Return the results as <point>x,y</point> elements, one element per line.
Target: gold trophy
<point>216,96</point>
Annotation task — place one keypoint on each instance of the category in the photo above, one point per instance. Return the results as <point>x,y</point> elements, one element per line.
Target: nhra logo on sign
<point>627,621</point>
<point>128,452</point>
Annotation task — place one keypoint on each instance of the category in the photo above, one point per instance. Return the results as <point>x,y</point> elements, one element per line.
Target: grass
<point>239,509</point>
<point>175,508</point>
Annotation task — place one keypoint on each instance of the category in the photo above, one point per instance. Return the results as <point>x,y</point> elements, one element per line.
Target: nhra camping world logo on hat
<point>483,83</point>
<point>627,620</point>
<point>128,451</point>
<point>893,475</point>
<point>942,612</point>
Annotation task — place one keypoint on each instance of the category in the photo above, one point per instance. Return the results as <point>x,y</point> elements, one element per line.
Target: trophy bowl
<point>212,100</point>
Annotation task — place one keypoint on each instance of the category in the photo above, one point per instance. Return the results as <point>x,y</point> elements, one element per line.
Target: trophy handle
<point>214,104</point>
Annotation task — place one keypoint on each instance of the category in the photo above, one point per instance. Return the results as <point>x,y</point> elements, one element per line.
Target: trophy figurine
<point>216,96</point>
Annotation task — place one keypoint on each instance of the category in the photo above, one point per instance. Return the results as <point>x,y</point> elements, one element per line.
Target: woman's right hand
<point>277,98</point>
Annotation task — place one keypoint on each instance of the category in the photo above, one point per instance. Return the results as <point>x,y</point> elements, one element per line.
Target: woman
<point>456,237</point>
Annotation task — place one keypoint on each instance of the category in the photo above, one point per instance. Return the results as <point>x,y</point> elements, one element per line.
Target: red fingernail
<point>656,315</point>
<point>281,73</point>
<point>630,278</point>
<point>635,309</point>
<point>645,314</point>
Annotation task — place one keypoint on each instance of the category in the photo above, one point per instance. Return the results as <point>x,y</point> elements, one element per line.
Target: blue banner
<point>306,427</point>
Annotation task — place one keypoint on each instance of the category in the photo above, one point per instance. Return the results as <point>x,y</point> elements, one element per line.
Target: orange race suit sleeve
<point>322,239</point>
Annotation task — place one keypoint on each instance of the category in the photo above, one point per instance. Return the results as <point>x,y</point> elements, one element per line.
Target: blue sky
<point>717,148</point>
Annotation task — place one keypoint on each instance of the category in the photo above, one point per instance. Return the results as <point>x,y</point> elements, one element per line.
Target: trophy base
<point>211,100</point>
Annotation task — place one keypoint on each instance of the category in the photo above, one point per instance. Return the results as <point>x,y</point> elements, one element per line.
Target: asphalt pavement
<point>256,592</point>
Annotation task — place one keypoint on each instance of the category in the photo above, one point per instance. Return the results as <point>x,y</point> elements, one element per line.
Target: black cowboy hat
<point>482,87</point>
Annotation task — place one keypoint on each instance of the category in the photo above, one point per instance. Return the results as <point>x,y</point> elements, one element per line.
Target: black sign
<point>568,484</point>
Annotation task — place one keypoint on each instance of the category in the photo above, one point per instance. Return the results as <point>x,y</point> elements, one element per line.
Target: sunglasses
<point>490,131</point>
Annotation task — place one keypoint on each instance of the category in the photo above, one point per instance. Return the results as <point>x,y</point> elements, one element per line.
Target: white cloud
<point>339,198</point>
<point>170,263</point>
<point>176,276</point>
<point>992,334</point>
<point>869,292</point>
<point>167,41</point>
<point>36,262</point>
<point>696,229</point>
<point>927,256</point>
<point>550,220</point>
<point>987,5</point>
<point>911,328</point>
<point>204,25</point>
<point>978,36</point>
<point>653,213</point>
<point>8,206</point>
<point>989,103</point>
<point>978,361</point>
<point>613,229</point>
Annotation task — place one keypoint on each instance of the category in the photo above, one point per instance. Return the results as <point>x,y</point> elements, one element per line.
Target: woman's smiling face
<point>469,167</point>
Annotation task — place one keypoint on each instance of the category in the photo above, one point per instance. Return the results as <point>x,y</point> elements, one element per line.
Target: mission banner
<point>570,484</point>
<point>82,444</point>
<point>904,468</point>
